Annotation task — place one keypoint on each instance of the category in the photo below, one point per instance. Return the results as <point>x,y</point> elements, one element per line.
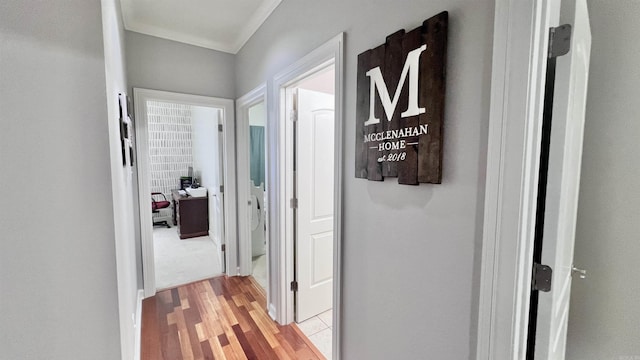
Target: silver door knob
<point>579,272</point>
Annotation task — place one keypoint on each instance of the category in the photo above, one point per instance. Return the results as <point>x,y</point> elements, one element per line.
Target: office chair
<point>157,205</point>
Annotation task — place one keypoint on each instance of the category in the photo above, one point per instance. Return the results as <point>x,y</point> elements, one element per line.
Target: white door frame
<point>141,96</point>
<point>279,128</point>
<point>255,96</point>
<point>520,42</point>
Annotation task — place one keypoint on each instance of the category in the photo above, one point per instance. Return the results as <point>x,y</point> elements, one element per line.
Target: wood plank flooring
<point>219,318</point>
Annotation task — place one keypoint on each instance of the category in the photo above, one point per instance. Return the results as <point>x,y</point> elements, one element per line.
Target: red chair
<point>157,205</point>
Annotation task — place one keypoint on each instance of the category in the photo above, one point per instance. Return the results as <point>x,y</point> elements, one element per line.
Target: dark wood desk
<point>190,215</point>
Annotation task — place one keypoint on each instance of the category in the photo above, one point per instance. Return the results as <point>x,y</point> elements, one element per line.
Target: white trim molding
<point>517,95</point>
<point>279,151</point>
<point>141,96</point>
<point>230,44</point>
<point>138,327</point>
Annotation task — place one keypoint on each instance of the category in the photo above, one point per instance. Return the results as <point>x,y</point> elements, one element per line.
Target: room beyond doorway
<point>257,114</point>
<point>184,155</point>
<point>182,261</point>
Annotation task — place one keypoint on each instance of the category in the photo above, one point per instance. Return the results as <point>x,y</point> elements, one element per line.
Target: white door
<point>565,156</point>
<point>216,203</point>
<point>314,189</point>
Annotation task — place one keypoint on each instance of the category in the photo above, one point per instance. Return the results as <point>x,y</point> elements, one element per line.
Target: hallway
<point>219,318</point>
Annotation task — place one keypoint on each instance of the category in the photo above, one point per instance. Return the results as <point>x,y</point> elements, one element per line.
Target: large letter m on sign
<point>412,69</point>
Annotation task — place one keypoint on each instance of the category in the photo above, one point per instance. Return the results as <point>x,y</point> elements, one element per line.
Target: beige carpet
<point>179,262</point>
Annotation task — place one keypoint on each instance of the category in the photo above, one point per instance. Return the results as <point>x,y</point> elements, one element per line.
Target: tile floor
<point>319,330</point>
<point>179,262</point>
<point>259,270</point>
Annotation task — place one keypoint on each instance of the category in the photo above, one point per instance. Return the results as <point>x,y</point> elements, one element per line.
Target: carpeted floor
<point>179,262</point>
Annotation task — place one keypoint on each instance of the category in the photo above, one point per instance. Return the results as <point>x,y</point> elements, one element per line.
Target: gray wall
<point>410,272</point>
<point>160,64</point>
<point>604,320</point>
<point>57,255</point>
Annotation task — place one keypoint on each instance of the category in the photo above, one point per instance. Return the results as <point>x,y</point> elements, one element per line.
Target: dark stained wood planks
<point>419,158</point>
<point>393,61</point>
<point>374,167</point>
<point>408,169</point>
<point>432,91</point>
<point>220,318</point>
<point>362,105</point>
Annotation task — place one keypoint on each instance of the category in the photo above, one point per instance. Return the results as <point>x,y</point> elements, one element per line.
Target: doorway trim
<point>520,43</point>
<point>253,97</point>
<point>280,130</point>
<point>141,96</point>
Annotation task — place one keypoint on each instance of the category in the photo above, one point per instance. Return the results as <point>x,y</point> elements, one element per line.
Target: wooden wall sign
<point>400,105</point>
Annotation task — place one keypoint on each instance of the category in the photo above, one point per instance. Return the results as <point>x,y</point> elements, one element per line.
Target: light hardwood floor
<point>219,318</point>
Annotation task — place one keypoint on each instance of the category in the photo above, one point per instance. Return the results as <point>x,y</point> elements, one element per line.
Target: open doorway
<point>185,173</point>
<point>257,116</point>
<point>257,185</point>
<point>307,175</point>
<point>253,186</point>
<point>303,162</point>
<point>313,103</point>
<point>183,169</point>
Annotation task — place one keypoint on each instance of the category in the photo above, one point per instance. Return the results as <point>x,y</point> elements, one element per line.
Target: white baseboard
<point>138,326</point>
<point>272,312</point>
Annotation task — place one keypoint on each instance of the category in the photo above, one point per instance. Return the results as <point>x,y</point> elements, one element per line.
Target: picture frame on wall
<point>129,126</point>
<point>402,137</point>
<point>125,124</point>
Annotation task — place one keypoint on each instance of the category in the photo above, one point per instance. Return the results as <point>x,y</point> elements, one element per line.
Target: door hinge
<point>221,188</point>
<point>220,127</point>
<point>294,286</point>
<point>293,115</point>
<point>559,40</point>
<point>293,203</point>
<point>542,275</point>
<point>223,247</point>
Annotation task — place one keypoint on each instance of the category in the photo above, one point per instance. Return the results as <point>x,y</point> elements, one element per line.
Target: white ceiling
<point>223,25</point>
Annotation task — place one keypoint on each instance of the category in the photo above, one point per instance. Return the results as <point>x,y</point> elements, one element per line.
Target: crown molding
<point>232,46</point>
